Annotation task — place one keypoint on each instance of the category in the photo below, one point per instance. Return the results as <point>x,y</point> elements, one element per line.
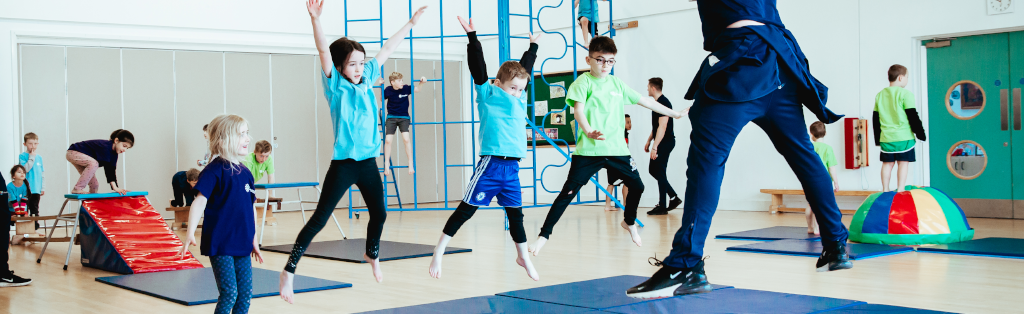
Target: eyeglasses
<point>608,62</point>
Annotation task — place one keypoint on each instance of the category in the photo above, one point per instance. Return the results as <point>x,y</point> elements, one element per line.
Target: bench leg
<point>776,204</point>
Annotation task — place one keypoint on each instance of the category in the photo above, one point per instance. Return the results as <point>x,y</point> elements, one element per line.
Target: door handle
<point>1016,109</point>
<point>1004,110</point>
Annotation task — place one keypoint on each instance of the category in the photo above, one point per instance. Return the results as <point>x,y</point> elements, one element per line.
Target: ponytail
<point>123,135</point>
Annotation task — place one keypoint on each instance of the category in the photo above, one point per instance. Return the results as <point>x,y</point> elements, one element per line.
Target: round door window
<point>965,100</point>
<point>966,160</point>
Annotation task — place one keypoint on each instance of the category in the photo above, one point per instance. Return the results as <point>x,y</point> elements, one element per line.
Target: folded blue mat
<point>594,294</point>
<point>813,248</point>
<point>995,247</point>
<point>485,304</point>
<point>880,309</point>
<point>770,234</point>
<point>736,301</point>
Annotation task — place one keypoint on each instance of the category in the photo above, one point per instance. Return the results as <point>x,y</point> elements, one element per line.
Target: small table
<point>298,186</point>
<point>73,219</point>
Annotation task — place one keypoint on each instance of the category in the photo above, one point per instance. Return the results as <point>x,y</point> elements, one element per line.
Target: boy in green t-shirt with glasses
<point>598,98</point>
<point>895,124</point>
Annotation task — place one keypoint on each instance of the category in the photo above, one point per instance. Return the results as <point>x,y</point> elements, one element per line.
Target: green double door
<point>974,113</point>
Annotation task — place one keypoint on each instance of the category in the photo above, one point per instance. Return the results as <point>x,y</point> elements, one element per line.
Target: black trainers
<point>834,258</point>
<point>670,281</point>
<point>13,281</point>
<point>658,210</point>
<point>674,203</point>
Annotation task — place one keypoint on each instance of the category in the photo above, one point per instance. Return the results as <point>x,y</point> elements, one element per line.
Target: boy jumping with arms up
<point>599,99</point>
<point>895,122</point>
<point>502,115</point>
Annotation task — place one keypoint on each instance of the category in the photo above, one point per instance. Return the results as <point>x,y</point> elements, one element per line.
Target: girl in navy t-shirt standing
<point>226,197</point>
<point>88,156</point>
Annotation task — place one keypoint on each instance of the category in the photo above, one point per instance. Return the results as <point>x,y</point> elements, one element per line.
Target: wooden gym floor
<point>587,244</point>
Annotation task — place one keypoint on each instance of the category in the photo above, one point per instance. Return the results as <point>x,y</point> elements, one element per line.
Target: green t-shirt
<point>604,99</point>
<point>258,169</point>
<point>891,104</point>
<point>827,156</point>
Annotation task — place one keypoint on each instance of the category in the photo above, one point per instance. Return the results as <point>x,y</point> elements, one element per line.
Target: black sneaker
<point>835,258</point>
<point>674,203</point>
<point>658,210</point>
<point>13,281</point>
<point>670,281</point>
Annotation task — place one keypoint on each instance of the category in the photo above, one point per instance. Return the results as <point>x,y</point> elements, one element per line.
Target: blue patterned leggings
<point>234,281</point>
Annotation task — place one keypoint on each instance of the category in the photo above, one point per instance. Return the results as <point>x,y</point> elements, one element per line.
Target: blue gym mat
<point>813,248</point>
<point>736,301</point>
<point>865,308</point>
<point>994,247</point>
<point>198,286</point>
<point>593,294</point>
<point>770,234</point>
<point>485,304</point>
<point>352,250</point>
<point>263,186</point>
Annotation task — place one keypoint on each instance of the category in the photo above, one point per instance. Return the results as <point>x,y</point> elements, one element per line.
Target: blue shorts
<point>894,157</point>
<point>495,177</point>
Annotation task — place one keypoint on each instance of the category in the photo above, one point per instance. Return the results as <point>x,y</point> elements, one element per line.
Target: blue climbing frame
<point>504,39</point>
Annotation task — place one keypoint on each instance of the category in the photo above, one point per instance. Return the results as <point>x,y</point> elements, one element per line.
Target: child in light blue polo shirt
<point>348,86</point>
<point>502,108</point>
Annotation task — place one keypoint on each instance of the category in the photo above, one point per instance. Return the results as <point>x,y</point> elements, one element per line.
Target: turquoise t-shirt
<point>588,8</point>
<point>354,113</point>
<point>34,175</point>
<point>605,99</point>
<point>502,117</point>
<point>16,193</point>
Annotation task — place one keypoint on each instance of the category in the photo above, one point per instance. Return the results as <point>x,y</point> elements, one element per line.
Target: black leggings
<point>466,211</point>
<point>340,176</point>
<point>580,171</point>
<point>658,169</point>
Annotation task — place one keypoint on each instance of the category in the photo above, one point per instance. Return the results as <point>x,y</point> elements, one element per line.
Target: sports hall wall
<point>163,78</point>
<point>849,44</point>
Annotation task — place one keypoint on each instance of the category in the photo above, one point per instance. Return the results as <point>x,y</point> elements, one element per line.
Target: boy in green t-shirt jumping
<point>895,124</point>
<point>829,159</point>
<point>599,99</point>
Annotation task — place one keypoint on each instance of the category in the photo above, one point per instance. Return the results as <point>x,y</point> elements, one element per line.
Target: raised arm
<point>423,80</point>
<point>650,103</point>
<point>398,37</point>
<point>530,56</point>
<point>475,54</point>
<point>315,7</point>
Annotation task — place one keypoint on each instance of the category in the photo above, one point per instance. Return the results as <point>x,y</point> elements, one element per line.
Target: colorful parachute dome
<point>919,215</point>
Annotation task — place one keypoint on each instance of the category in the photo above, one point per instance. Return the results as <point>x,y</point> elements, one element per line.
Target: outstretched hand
<point>468,26</point>
<point>315,7</point>
<point>595,134</point>
<point>683,113</point>
<point>416,16</point>
<point>535,38</point>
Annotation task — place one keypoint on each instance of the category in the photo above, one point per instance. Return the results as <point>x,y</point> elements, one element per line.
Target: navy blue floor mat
<point>770,234</point>
<point>352,250</point>
<point>813,248</point>
<point>880,309</point>
<point>485,304</point>
<point>593,294</point>
<point>736,301</point>
<point>995,247</point>
<point>198,286</point>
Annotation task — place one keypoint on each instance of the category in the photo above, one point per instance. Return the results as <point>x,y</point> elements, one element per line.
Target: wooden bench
<point>27,225</point>
<point>181,214</point>
<point>778,193</point>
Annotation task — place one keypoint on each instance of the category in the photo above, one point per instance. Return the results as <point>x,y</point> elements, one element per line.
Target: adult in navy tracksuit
<point>757,73</point>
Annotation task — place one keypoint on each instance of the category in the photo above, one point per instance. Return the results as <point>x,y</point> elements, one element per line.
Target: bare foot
<point>633,232</point>
<point>79,192</point>
<point>435,265</point>
<point>608,207</point>
<point>411,170</point>
<point>286,287</point>
<point>530,271</point>
<point>810,231</point>
<point>375,265</point>
<point>535,248</point>
<point>16,239</point>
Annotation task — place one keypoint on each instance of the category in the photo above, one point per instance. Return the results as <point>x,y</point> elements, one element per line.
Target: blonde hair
<point>394,76</point>
<point>31,136</point>
<point>512,70</point>
<point>225,136</point>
